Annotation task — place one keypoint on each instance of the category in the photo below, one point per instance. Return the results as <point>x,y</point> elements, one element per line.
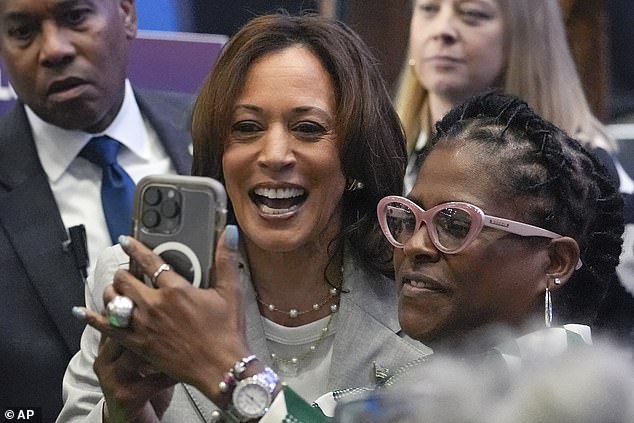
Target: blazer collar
<point>369,335</point>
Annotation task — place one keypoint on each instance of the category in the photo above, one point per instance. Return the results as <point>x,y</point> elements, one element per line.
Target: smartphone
<point>180,218</point>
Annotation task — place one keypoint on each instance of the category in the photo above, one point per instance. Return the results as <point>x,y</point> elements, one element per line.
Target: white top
<point>76,183</point>
<point>311,379</point>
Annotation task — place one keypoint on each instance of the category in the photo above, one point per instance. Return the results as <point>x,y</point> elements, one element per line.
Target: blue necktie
<point>117,188</point>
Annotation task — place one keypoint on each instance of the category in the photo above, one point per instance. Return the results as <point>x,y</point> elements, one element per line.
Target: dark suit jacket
<point>39,278</point>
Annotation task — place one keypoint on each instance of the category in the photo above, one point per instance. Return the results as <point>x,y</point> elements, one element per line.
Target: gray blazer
<point>368,332</point>
<point>39,278</point>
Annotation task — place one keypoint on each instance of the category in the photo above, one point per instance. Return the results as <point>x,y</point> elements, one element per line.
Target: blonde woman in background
<point>458,48</point>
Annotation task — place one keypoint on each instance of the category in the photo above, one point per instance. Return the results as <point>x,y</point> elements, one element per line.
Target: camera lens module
<point>151,219</point>
<point>152,196</point>
<point>169,208</point>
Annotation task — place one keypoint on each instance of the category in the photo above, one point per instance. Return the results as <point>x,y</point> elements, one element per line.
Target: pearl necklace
<point>291,365</point>
<point>294,312</point>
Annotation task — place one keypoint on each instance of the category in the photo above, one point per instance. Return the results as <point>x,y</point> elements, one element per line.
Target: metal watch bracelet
<point>245,405</point>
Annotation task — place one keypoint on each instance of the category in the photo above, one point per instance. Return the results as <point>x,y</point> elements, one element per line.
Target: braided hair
<point>561,184</point>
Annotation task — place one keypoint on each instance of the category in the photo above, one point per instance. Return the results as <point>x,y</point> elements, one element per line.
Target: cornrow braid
<point>564,187</point>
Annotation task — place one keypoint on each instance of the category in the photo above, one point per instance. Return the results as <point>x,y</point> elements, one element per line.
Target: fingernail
<point>79,313</point>
<point>124,241</point>
<point>231,237</point>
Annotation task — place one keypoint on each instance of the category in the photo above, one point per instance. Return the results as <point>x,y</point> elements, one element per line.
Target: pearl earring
<point>354,185</point>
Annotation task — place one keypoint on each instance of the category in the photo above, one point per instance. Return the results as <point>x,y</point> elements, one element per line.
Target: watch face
<point>251,398</point>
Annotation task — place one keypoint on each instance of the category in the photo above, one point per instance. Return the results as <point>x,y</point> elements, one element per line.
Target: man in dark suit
<point>67,63</point>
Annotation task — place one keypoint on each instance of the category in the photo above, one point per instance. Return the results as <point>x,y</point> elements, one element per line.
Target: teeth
<point>270,210</point>
<point>419,284</point>
<point>279,193</point>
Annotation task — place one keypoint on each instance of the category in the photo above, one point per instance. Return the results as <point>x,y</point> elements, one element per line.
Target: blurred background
<point>601,34</point>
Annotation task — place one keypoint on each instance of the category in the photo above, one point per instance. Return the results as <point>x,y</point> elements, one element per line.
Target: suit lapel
<point>31,220</point>
<point>170,120</point>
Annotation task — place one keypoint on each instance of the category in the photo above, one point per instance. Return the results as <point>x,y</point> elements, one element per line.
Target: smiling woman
<point>296,121</point>
<point>487,294</point>
<point>284,119</point>
<point>546,186</point>
<point>458,48</point>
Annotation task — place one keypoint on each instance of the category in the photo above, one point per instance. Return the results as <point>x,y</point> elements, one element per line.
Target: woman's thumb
<point>227,274</point>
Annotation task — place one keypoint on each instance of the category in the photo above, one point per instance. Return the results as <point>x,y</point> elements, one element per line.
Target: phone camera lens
<point>151,219</point>
<point>152,196</point>
<point>169,208</point>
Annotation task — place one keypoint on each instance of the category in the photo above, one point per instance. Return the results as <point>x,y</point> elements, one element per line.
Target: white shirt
<point>311,380</point>
<point>76,183</point>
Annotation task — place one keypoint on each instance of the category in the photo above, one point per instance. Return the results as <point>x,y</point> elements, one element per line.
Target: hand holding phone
<point>180,218</point>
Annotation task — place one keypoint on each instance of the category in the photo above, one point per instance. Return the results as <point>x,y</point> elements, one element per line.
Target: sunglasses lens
<point>401,221</point>
<point>452,226</point>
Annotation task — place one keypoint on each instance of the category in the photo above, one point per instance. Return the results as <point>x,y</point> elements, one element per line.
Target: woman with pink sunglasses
<point>504,250</point>
<point>510,222</point>
<point>460,48</point>
<point>504,247</point>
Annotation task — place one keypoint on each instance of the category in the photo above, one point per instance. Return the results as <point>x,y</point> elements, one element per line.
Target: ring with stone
<point>119,311</point>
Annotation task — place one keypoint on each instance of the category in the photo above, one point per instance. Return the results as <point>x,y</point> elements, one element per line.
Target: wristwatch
<point>253,396</point>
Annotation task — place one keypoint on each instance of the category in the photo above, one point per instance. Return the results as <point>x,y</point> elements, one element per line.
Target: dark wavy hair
<point>561,185</point>
<point>373,143</point>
